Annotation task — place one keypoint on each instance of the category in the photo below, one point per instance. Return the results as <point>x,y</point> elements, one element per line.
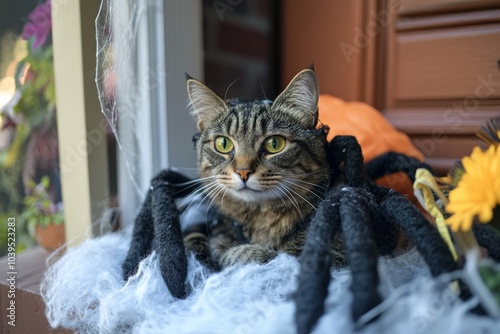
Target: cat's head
<point>261,150</point>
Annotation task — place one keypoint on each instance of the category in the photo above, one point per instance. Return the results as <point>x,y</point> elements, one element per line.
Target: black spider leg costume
<point>488,239</point>
<point>368,216</point>
<point>159,220</point>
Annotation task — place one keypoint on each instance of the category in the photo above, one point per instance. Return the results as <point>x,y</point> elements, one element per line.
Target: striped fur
<point>275,203</point>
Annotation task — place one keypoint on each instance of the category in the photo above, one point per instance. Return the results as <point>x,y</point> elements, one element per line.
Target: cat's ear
<point>300,98</point>
<point>204,104</point>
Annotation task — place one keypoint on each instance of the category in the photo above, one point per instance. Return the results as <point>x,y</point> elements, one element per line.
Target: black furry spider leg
<point>315,262</point>
<point>420,231</point>
<point>392,162</point>
<point>347,149</point>
<point>142,239</point>
<point>361,250</point>
<point>488,239</point>
<point>346,207</point>
<point>169,239</point>
<point>159,218</point>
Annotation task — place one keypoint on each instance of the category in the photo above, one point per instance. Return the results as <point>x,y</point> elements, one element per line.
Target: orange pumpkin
<point>374,133</point>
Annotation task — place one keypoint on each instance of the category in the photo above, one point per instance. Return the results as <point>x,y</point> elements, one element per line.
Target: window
<point>145,47</point>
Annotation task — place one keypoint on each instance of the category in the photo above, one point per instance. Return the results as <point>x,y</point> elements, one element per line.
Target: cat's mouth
<point>247,187</point>
<point>249,194</point>
<point>249,190</point>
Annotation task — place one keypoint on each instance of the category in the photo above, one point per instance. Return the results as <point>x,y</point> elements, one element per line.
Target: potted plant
<point>44,217</point>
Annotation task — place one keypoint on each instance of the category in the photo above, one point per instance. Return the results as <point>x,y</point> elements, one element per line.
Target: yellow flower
<point>478,192</point>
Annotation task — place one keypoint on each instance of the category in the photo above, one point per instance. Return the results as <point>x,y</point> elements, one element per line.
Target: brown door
<point>432,67</point>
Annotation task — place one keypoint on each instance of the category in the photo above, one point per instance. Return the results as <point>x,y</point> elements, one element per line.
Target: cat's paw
<point>244,254</point>
<point>198,244</point>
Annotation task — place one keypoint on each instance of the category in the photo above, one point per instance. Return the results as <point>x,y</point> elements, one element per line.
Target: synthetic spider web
<point>122,88</point>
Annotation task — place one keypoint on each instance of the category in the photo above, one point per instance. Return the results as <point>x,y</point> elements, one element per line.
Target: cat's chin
<point>250,195</point>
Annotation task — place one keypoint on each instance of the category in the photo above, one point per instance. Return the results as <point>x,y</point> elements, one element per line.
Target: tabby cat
<point>264,166</point>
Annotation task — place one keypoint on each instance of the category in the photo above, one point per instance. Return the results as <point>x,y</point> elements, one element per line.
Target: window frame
<point>171,44</point>
<point>82,158</point>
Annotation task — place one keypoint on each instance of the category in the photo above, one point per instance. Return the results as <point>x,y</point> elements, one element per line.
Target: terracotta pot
<point>51,236</point>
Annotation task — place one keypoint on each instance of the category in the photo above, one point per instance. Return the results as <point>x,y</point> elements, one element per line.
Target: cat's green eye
<point>223,144</point>
<point>274,144</point>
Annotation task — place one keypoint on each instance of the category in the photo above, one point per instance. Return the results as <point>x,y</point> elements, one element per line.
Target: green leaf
<point>16,146</point>
<point>45,181</point>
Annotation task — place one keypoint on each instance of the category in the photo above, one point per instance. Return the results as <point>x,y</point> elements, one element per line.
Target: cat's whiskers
<point>309,183</point>
<point>232,83</point>
<point>224,194</point>
<point>290,196</point>
<point>208,191</point>
<point>278,196</point>
<point>221,189</point>
<point>312,172</point>
<point>270,180</point>
<point>306,189</point>
<point>204,187</point>
<point>198,193</point>
<point>194,169</point>
<point>263,91</point>
<point>193,213</point>
<point>302,197</point>
<point>195,180</point>
<point>212,189</point>
<point>224,179</point>
<point>192,183</point>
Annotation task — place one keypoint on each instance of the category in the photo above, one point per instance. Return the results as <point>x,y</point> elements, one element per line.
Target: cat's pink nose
<point>244,173</point>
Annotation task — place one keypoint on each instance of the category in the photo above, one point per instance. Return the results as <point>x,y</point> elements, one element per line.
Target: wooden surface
<point>432,67</point>
<point>447,63</point>
<point>30,318</point>
<point>314,33</point>
<point>449,20</point>
<point>440,60</point>
<point>81,126</point>
<point>441,119</point>
<point>430,7</point>
<point>442,80</point>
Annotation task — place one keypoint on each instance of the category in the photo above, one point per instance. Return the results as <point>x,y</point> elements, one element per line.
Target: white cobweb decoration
<point>122,91</point>
<point>85,292</point>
